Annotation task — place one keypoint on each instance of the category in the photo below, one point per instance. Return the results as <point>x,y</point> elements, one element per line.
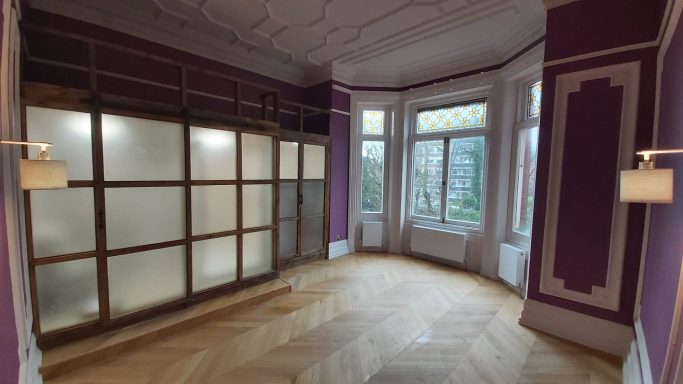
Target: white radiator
<point>438,243</point>
<point>512,264</point>
<point>372,234</point>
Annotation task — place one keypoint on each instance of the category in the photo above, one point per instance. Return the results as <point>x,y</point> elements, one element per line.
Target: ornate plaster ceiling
<point>361,42</point>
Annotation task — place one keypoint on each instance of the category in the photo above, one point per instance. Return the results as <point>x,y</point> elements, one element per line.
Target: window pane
<point>67,294</point>
<point>214,208</point>
<point>372,177</point>
<point>69,132</point>
<point>145,279</point>
<point>314,161</point>
<point>314,198</point>
<point>289,160</point>
<point>257,157</point>
<point>427,173</point>
<point>137,216</point>
<point>142,149</point>
<point>257,253</point>
<point>63,221</point>
<point>257,205</point>
<point>466,170</point>
<point>214,262</point>
<point>373,122</point>
<point>471,114</point>
<point>213,154</point>
<point>534,100</point>
<point>289,200</point>
<point>312,234</point>
<point>525,185</point>
<point>288,237</point>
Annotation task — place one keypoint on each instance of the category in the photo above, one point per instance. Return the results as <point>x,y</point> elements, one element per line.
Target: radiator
<point>438,243</point>
<point>512,264</point>
<point>372,234</point>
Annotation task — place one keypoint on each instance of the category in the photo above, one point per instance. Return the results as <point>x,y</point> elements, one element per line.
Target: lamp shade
<point>647,186</point>
<point>42,174</point>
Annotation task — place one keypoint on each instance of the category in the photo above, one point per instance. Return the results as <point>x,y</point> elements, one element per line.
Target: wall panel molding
<point>626,75</point>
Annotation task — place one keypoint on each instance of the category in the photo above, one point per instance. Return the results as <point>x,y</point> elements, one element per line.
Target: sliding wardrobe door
<point>313,201</point>
<point>289,200</point>
<point>143,162</point>
<point>62,242</point>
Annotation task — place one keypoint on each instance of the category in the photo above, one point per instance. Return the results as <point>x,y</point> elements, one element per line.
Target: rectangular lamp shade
<point>42,174</point>
<point>647,186</point>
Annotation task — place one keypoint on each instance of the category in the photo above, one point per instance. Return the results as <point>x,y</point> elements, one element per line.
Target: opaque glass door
<point>303,202</point>
<point>158,212</point>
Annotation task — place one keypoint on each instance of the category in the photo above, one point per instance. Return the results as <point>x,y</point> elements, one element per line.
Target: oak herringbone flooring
<point>364,318</point>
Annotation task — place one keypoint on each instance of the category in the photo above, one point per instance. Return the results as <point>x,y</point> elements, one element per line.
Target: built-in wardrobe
<point>162,209</point>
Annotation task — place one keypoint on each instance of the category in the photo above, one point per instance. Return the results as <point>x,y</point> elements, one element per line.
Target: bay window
<point>448,156</point>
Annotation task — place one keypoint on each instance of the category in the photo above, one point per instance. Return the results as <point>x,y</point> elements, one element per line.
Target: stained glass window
<point>534,100</point>
<point>471,114</point>
<point>373,122</point>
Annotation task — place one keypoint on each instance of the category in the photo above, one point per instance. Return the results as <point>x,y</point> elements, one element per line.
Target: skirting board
<point>586,330</point>
<point>339,248</point>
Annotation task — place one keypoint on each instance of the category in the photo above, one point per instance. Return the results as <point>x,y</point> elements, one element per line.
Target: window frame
<point>384,137</point>
<point>523,122</point>
<point>447,136</point>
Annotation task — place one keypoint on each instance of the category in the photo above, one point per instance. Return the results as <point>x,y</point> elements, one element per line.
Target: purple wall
<point>665,242</point>
<point>581,27</point>
<point>9,344</point>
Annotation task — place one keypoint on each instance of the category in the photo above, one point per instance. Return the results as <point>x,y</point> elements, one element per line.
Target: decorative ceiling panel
<point>298,40</point>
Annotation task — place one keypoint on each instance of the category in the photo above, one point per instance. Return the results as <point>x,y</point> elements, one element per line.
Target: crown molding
<point>549,4</point>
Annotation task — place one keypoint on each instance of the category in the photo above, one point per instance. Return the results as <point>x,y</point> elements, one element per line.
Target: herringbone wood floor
<point>365,318</point>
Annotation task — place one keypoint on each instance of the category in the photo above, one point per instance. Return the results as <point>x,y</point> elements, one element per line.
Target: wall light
<point>42,173</point>
<point>647,184</point>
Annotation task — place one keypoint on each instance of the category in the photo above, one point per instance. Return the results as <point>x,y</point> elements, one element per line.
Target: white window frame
<point>388,118</point>
<point>485,132</point>
<point>523,122</point>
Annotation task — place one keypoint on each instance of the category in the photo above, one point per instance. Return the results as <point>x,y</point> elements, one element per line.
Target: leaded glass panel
<point>471,114</point>
<point>534,100</point>
<point>373,122</point>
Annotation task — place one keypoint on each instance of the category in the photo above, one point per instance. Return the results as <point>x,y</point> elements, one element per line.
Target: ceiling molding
<point>549,4</point>
<point>392,43</point>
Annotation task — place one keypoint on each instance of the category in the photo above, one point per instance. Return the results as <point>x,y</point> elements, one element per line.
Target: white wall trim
<point>642,353</point>
<point>29,370</point>
<point>595,333</point>
<point>340,112</point>
<point>625,48</point>
<point>628,76</point>
<point>339,248</point>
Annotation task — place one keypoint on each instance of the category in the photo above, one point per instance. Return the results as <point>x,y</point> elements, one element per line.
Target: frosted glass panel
<point>146,279</point>
<point>312,234</point>
<point>257,157</point>
<point>214,262</point>
<point>288,200</point>
<point>314,198</point>
<point>69,132</point>
<point>257,253</point>
<point>137,216</point>
<point>213,154</point>
<point>214,209</point>
<point>67,294</point>
<point>289,160</point>
<point>141,149</point>
<point>257,205</point>
<point>288,232</point>
<point>314,161</point>
<point>63,221</point>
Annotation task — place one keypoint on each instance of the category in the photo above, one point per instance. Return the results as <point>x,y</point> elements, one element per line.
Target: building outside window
<point>373,173</point>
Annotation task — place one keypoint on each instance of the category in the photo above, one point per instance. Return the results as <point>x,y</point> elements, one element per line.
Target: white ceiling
<point>359,42</point>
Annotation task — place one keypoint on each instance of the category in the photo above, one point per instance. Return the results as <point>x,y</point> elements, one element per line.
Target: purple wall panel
<point>588,26</point>
<point>339,195</point>
<point>583,232</point>
<point>665,242</point>
<point>9,343</point>
<point>341,101</point>
<point>636,219</point>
